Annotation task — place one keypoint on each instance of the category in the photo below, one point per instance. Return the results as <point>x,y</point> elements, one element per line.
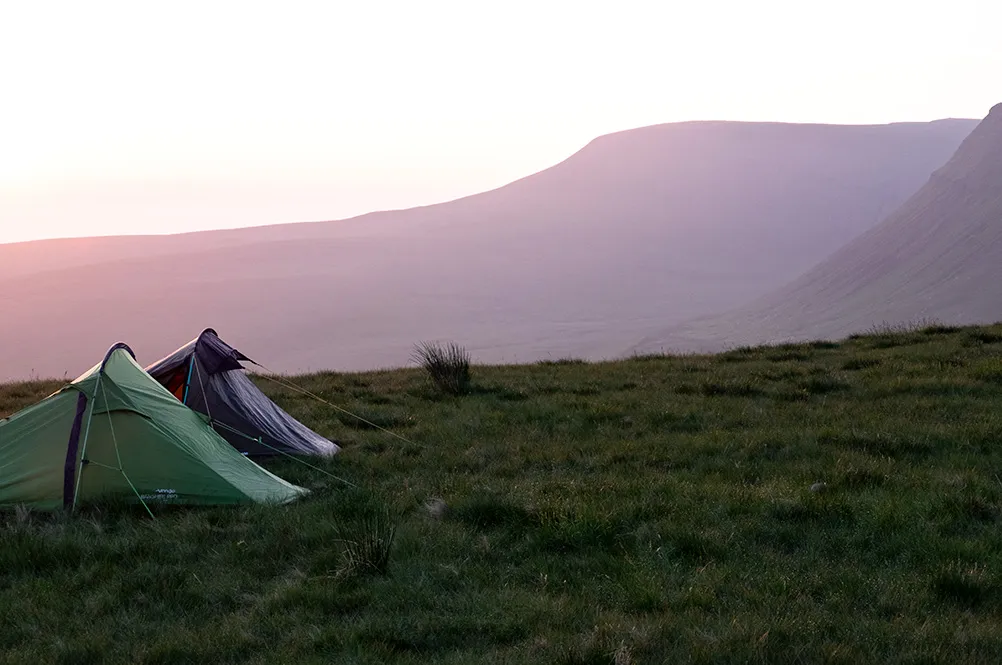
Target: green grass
<point>653,510</point>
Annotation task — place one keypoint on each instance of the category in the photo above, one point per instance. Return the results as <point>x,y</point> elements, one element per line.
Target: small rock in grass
<point>436,507</point>
<point>819,487</point>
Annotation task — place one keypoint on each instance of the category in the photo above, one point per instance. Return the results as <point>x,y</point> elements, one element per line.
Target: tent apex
<point>119,346</point>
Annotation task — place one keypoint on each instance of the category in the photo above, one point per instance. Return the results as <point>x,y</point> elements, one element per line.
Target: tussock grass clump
<point>365,532</point>
<point>889,335</point>
<point>448,366</point>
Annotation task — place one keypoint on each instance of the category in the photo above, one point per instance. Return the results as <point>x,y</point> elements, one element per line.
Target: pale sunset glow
<point>131,117</point>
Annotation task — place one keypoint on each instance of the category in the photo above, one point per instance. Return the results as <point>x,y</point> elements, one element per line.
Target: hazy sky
<point>136,117</point>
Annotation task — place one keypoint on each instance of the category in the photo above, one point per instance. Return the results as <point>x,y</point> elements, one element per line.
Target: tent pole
<point>187,383</point>
<point>83,446</point>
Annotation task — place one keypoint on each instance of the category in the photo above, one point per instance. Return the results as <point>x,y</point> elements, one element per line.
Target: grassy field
<point>818,503</point>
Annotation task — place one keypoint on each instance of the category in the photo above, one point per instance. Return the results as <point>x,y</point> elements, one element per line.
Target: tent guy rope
<point>200,385</point>
<point>282,452</point>
<point>259,440</point>
<point>118,456</point>
<point>271,376</point>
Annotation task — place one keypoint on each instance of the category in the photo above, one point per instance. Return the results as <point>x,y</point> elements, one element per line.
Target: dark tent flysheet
<point>115,433</point>
<point>206,374</point>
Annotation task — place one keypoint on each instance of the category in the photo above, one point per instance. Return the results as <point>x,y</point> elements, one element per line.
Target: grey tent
<point>207,375</point>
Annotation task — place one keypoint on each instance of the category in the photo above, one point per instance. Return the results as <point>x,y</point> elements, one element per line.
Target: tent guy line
<point>288,384</point>
<point>118,456</point>
<point>259,440</point>
<point>215,423</point>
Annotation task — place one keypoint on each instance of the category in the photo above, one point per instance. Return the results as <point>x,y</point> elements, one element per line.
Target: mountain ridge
<point>576,260</point>
<point>938,257</point>
<point>309,228</point>
<point>586,146</point>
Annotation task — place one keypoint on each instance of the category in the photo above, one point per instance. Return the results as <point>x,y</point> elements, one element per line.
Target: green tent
<point>116,432</point>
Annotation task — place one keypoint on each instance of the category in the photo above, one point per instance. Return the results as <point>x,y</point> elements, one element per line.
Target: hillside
<point>654,510</point>
<point>938,257</point>
<point>639,230</point>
